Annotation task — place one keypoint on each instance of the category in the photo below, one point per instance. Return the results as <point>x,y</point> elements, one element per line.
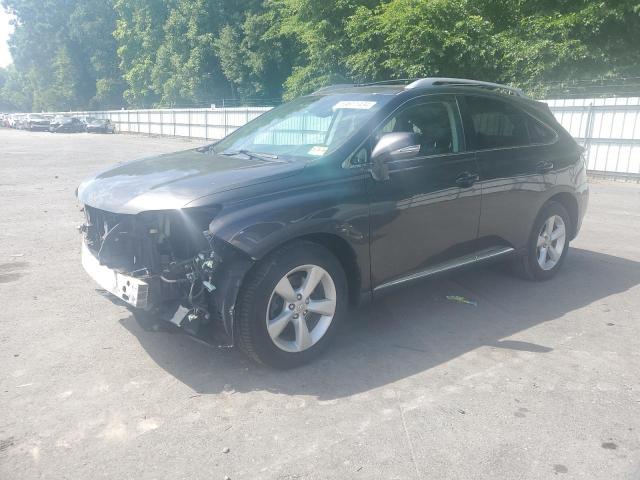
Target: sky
<point>5,30</point>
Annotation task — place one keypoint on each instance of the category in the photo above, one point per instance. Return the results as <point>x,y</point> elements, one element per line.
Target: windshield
<point>308,127</point>
<point>37,117</point>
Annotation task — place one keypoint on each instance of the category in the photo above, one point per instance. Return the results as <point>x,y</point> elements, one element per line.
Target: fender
<point>255,222</point>
<point>321,200</point>
<point>228,280</point>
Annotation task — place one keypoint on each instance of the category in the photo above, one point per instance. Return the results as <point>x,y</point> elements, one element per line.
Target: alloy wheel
<point>551,242</point>
<point>301,308</point>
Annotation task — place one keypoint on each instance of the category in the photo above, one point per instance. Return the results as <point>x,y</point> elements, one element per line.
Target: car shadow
<point>401,334</point>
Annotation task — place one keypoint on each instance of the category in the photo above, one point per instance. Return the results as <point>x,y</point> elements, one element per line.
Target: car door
<point>427,212</point>
<point>516,166</point>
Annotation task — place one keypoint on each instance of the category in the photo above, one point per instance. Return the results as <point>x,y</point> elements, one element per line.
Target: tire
<point>530,265</point>
<point>259,303</point>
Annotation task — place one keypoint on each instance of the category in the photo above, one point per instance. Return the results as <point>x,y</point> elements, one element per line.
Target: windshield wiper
<point>250,154</point>
<point>206,148</point>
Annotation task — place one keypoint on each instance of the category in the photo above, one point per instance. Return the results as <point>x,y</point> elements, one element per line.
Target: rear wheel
<point>291,305</point>
<point>548,244</point>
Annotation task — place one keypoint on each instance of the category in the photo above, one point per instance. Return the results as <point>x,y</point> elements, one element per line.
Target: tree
<point>187,68</point>
<point>14,96</point>
<point>139,36</point>
<point>91,26</point>
<point>527,43</point>
<point>52,35</point>
<point>257,57</point>
<point>318,28</point>
<point>35,43</point>
<point>142,53</point>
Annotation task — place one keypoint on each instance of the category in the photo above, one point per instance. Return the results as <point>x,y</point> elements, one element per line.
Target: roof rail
<point>337,86</point>
<point>397,81</point>
<point>430,82</point>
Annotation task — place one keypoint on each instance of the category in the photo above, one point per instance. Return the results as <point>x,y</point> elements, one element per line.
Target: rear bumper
<point>132,290</point>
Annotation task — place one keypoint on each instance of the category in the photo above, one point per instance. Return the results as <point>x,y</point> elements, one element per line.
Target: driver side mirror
<point>392,146</point>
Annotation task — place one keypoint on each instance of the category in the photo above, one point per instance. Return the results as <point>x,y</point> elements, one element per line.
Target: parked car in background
<point>55,122</point>
<point>331,200</point>
<point>19,121</point>
<point>67,125</point>
<point>100,125</point>
<point>36,121</point>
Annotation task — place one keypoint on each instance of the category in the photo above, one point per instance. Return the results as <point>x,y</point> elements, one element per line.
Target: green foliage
<point>95,54</point>
<point>319,30</point>
<point>526,43</point>
<point>187,69</point>
<point>14,96</point>
<point>91,25</point>
<point>417,39</point>
<point>256,57</point>
<point>139,36</point>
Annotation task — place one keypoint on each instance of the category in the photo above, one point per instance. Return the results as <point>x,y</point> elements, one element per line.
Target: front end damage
<point>167,263</point>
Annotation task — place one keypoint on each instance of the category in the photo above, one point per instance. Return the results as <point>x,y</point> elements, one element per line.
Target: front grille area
<point>120,241</point>
<point>98,223</point>
<point>143,244</point>
<point>171,254</point>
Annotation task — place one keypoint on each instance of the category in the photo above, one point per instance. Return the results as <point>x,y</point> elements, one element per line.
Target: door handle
<point>467,179</point>
<point>544,167</point>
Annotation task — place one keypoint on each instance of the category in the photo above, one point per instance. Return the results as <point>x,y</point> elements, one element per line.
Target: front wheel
<point>548,244</point>
<point>291,305</point>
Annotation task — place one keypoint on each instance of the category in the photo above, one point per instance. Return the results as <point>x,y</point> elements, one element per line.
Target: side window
<point>436,123</point>
<point>497,124</point>
<point>539,133</point>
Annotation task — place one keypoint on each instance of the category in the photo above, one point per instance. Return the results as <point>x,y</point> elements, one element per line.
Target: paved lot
<point>539,381</point>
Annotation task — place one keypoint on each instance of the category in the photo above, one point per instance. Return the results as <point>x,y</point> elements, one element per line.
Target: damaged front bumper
<point>151,264</point>
<point>131,290</point>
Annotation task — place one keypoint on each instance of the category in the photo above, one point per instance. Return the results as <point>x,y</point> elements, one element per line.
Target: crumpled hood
<point>174,180</point>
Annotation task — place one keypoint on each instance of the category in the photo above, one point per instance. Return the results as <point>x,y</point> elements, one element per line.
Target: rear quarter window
<point>539,133</point>
<point>497,124</point>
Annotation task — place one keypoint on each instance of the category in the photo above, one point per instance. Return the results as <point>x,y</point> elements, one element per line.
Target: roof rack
<point>411,83</point>
<point>430,82</point>
<point>337,86</point>
<point>397,81</point>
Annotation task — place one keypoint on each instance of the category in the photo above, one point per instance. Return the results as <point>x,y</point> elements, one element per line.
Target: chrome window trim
<point>424,157</point>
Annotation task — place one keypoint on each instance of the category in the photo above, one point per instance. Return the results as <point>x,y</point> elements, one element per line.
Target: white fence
<point>207,123</point>
<point>609,128</point>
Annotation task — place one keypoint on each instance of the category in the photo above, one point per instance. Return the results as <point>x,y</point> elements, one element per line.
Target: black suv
<point>330,200</point>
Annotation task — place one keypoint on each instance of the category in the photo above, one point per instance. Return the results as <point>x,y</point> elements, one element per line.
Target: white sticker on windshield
<point>318,150</point>
<point>354,104</point>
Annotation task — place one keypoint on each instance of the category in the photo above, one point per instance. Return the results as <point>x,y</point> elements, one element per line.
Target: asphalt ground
<point>538,381</point>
